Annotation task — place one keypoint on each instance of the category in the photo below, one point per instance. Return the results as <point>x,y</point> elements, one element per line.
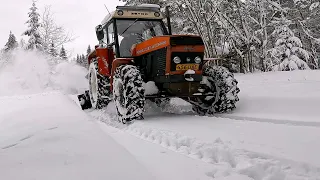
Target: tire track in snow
<point>186,110</point>
<point>248,118</point>
<point>27,137</point>
<point>254,165</point>
<point>10,146</point>
<point>268,120</point>
<point>257,166</point>
<point>29,96</point>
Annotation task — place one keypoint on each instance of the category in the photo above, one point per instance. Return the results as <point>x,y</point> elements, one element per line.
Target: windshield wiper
<point>129,27</point>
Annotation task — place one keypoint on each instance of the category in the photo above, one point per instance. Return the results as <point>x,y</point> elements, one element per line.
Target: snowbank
<point>279,97</point>
<point>29,72</point>
<point>294,84</point>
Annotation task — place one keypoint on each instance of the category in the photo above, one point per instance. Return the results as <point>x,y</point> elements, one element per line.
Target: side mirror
<point>99,32</point>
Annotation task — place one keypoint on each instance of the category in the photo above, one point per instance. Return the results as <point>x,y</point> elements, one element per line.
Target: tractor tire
<point>220,89</point>
<point>128,93</point>
<point>99,87</point>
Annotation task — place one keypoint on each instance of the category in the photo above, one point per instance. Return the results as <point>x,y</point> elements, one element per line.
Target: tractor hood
<point>188,42</point>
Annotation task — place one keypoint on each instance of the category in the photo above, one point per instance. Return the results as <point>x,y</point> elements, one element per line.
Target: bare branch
<point>51,32</point>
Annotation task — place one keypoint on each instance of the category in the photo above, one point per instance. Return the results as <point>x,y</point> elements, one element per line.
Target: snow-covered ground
<point>272,135</point>
<point>46,136</point>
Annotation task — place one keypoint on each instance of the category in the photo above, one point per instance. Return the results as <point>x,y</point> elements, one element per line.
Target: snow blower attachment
<point>136,48</point>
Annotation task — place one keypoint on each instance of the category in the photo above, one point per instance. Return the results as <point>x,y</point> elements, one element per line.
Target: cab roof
<point>145,11</point>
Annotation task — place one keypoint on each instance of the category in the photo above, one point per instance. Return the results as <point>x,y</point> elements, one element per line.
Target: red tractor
<point>138,58</point>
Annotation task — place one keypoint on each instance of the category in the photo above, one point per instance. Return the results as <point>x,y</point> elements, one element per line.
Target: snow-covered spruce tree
<point>12,43</point>
<point>35,41</point>
<point>82,60</point>
<point>22,44</point>
<point>63,53</point>
<point>6,52</point>
<point>78,60</point>
<point>288,54</point>
<point>307,17</point>
<point>52,50</point>
<point>88,50</point>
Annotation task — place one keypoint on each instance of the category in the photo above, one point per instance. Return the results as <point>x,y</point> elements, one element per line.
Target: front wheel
<point>221,91</point>
<point>99,87</point>
<point>128,93</point>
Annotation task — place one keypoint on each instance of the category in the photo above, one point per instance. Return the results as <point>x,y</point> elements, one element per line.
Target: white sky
<point>78,16</point>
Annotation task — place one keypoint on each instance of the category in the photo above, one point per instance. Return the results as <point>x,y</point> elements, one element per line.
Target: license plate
<point>182,67</point>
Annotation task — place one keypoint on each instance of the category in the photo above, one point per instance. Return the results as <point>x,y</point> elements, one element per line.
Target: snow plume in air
<point>30,72</point>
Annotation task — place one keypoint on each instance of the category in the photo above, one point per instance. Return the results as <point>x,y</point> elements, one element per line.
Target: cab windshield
<point>135,31</point>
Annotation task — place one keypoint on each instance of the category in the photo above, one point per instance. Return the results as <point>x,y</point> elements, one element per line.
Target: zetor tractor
<point>138,58</point>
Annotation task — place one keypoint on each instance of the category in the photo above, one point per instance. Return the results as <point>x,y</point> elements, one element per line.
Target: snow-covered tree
<point>52,50</point>
<point>288,53</point>
<point>78,59</point>
<point>88,50</point>
<point>35,41</point>
<point>63,53</point>
<point>22,44</point>
<point>306,15</point>
<point>11,43</point>
<point>81,60</point>
<point>50,31</point>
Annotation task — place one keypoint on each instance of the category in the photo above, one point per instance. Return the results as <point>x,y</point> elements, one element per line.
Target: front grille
<point>152,64</point>
<point>159,62</point>
<point>183,56</point>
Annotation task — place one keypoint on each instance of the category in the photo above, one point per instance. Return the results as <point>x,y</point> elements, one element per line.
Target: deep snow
<point>273,133</point>
<point>46,136</point>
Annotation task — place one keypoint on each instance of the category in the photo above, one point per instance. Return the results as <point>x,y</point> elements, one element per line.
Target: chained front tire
<point>99,87</point>
<point>128,93</point>
<point>220,89</point>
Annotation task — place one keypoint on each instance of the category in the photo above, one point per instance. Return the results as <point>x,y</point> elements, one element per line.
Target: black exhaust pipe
<point>168,20</point>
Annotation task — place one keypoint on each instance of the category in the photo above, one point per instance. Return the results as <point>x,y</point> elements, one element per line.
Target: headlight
<point>176,60</point>
<point>197,60</point>
<point>120,13</point>
<point>157,14</point>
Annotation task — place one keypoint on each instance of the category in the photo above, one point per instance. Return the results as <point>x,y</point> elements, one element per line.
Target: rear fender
<point>116,63</point>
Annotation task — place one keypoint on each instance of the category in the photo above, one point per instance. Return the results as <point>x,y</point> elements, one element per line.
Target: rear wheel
<point>220,89</point>
<point>99,87</point>
<point>128,93</point>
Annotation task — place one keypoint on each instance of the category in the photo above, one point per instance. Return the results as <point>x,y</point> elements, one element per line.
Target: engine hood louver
<point>185,40</point>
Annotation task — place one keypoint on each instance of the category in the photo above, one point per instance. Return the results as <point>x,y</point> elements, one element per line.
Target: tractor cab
<point>128,26</point>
